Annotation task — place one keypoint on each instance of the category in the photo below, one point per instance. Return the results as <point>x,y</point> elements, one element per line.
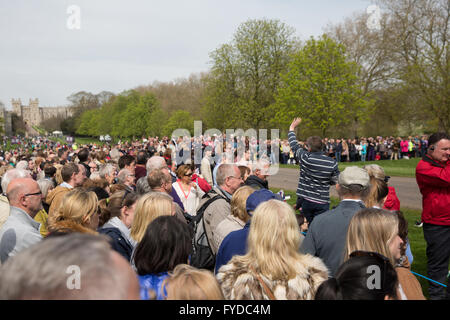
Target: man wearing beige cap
<point>327,233</point>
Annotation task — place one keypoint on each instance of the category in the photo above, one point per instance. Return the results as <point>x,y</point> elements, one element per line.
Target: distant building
<point>35,115</point>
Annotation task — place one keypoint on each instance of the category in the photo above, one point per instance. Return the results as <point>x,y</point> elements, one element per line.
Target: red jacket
<point>392,202</point>
<point>433,179</point>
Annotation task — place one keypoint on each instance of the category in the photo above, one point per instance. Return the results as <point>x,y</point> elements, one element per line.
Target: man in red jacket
<point>433,178</point>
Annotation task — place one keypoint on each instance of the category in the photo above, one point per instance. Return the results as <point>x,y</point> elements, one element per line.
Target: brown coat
<point>410,285</point>
<point>54,199</point>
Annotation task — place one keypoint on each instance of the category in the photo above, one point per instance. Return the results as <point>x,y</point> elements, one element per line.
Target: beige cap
<point>354,175</point>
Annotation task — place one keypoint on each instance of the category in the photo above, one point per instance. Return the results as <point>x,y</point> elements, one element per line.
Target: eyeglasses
<point>32,194</point>
<point>239,178</point>
<point>376,255</point>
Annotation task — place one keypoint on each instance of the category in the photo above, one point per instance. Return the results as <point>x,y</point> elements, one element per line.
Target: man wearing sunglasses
<point>20,230</point>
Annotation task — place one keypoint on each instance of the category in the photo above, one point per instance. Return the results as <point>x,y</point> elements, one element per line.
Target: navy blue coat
<point>118,243</point>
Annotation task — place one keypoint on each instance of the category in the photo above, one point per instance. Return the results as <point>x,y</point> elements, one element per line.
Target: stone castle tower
<point>34,115</point>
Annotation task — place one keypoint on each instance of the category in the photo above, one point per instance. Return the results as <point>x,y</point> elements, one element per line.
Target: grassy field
<point>393,168</point>
<point>415,234</point>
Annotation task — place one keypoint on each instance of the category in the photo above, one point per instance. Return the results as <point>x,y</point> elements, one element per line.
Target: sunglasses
<point>188,174</point>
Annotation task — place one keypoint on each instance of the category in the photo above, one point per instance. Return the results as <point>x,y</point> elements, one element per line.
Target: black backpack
<point>202,256</point>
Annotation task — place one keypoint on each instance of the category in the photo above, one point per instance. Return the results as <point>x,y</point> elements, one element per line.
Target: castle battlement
<point>35,115</point>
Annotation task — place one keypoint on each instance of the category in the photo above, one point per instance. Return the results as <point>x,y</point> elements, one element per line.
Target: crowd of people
<point>188,218</point>
<point>365,149</point>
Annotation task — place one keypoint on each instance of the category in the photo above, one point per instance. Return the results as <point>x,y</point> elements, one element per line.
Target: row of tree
<point>356,79</point>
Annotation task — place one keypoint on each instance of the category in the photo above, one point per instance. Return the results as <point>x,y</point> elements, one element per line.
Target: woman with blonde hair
<point>238,217</point>
<point>148,208</point>
<point>272,268</point>
<point>376,230</point>
<point>78,213</point>
<point>377,177</point>
<point>189,283</point>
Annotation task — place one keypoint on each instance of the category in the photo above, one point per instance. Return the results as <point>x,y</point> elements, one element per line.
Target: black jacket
<point>118,243</point>
<point>256,183</point>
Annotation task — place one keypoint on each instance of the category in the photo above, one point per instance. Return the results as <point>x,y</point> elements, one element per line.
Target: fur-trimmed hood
<point>238,282</point>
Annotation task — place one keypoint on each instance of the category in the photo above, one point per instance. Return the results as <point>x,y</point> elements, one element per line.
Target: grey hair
<point>260,165</point>
<point>106,169</point>
<point>12,174</point>
<point>123,174</point>
<point>46,269</point>
<point>142,186</point>
<point>155,162</point>
<point>354,190</point>
<point>22,164</point>
<point>224,171</point>
<point>45,185</point>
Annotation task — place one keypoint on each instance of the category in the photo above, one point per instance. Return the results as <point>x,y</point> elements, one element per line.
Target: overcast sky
<point>122,44</point>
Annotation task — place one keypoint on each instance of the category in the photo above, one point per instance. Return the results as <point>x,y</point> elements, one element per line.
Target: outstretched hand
<point>295,123</point>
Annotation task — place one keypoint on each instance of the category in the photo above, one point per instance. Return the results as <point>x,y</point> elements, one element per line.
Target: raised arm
<point>292,138</point>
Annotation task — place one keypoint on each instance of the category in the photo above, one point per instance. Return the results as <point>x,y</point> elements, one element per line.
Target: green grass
<point>415,235</point>
<point>393,168</point>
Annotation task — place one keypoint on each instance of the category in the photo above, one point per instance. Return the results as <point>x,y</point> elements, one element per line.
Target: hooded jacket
<point>433,179</point>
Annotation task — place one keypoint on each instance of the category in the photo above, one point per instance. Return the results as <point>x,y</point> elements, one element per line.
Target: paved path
<point>406,188</point>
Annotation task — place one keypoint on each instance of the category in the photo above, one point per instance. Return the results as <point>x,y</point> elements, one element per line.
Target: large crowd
<point>188,218</point>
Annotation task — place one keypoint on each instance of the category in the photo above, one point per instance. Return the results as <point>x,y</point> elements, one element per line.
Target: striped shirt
<point>317,172</point>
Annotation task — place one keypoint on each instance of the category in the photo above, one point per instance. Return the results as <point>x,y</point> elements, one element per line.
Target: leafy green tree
<point>245,74</point>
<point>321,86</point>
<point>180,119</point>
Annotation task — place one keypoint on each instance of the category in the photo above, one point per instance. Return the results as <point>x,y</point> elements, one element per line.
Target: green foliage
<point>246,73</point>
<point>130,114</point>
<point>179,120</point>
<point>321,86</point>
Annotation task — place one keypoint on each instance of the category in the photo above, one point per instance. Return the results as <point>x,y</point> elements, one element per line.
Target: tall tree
<point>245,73</point>
<point>422,33</point>
<point>322,87</point>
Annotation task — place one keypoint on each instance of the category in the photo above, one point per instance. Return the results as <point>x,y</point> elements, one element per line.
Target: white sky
<point>123,44</point>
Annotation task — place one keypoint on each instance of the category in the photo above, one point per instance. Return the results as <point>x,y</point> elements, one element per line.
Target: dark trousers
<point>438,255</point>
<point>312,209</point>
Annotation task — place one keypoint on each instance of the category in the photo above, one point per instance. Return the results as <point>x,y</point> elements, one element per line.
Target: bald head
<point>24,193</point>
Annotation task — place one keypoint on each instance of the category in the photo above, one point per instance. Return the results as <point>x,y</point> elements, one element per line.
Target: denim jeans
<point>312,209</point>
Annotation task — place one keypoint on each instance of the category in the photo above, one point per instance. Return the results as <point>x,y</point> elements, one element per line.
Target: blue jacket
<point>119,243</point>
<point>152,282</point>
<point>235,243</point>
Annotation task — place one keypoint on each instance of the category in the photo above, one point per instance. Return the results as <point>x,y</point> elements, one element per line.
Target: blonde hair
<point>379,189</point>
<point>77,206</point>
<point>372,230</point>
<point>188,283</point>
<point>149,207</point>
<point>275,253</point>
<point>238,202</point>
<point>58,176</point>
<point>375,171</point>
